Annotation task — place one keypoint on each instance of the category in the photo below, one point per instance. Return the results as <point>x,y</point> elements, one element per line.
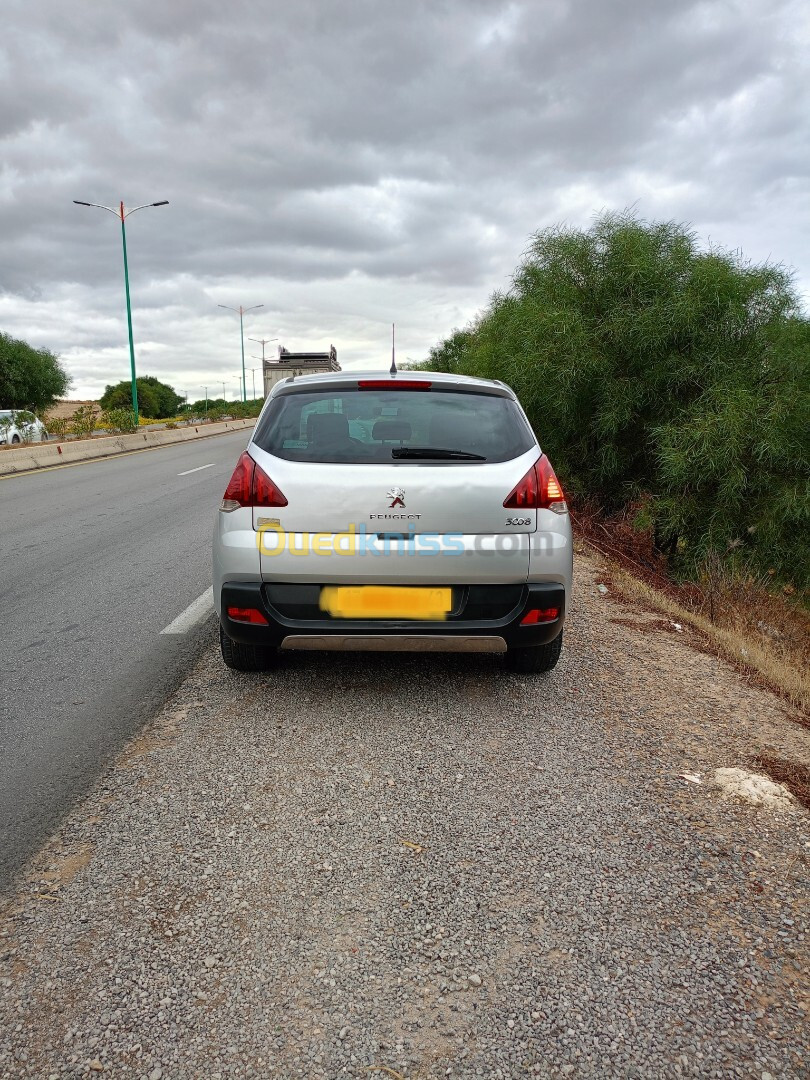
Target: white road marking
<point>194,614</point>
<point>188,472</point>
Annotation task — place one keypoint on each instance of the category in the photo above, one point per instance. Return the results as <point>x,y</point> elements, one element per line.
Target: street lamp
<point>241,312</point>
<point>262,342</point>
<point>123,215</point>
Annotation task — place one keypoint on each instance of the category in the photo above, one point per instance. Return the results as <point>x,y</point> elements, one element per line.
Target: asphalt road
<point>97,559</point>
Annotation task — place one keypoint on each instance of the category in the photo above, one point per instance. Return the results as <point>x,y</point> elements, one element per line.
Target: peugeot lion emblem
<point>398,497</point>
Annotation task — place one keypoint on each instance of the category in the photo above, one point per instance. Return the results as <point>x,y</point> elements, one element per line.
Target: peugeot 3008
<point>413,511</point>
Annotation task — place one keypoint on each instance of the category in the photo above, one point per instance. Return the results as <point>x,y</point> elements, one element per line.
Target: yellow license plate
<point>385,602</point>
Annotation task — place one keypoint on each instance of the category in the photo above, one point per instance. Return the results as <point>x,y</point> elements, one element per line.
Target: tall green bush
<point>650,366</point>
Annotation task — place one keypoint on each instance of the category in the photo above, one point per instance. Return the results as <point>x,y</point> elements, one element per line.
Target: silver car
<point>411,511</point>
<point>19,426</point>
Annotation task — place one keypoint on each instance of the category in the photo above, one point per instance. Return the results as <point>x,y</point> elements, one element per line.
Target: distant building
<point>298,363</point>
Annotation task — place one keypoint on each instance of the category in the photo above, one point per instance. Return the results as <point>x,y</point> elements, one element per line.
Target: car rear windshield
<point>367,426</point>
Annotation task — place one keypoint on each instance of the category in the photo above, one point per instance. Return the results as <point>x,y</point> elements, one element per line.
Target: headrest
<point>327,427</point>
<point>391,431</point>
<point>452,430</point>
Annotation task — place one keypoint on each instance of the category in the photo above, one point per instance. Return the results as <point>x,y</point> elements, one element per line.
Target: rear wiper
<point>434,452</point>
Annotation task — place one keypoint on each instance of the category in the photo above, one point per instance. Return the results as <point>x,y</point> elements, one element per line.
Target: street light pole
<point>123,215</point>
<point>129,320</point>
<point>262,342</point>
<point>241,312</point>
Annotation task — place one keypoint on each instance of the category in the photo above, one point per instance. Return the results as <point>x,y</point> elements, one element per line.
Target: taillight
<point>250,486</point>
<point>524,496</point>
<point>538,490</point>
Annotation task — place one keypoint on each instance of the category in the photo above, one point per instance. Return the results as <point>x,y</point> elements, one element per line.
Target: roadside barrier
<point>32,456</point>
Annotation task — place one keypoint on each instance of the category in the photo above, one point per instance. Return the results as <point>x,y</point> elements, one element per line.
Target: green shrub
<point>83,421</point>
<point>651,367</point>
<point>118,420</point>
<point>56,425</point>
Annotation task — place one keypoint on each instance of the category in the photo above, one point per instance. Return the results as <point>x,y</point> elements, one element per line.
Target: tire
<point>44,436</point>
<point>241,657</point>
<point>15,440</point>
<point>537,658</point>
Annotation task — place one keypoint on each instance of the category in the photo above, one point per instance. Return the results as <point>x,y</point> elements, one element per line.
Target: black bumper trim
<point>254,594</point>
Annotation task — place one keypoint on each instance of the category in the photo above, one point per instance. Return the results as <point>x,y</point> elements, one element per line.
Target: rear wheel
<point>241,657</point>
<point>536,658</point>
<point>15,440</point>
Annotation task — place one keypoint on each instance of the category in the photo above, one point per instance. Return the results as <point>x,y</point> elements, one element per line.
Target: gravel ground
<point>426,867</point>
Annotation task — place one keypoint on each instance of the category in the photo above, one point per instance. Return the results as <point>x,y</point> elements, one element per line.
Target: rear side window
<point>368,426</point>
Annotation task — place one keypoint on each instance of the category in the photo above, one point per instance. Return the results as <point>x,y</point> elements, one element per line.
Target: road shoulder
<point>354,865</point>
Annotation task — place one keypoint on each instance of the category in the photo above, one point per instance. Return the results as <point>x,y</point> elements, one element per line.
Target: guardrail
<point>32,456</point>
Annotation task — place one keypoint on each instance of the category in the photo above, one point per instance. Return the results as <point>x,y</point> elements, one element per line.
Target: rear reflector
<point>538,490</point>
<point>393,384</point>
<point>540,615</point>
<point>248,615</point>
<point>250,486</point>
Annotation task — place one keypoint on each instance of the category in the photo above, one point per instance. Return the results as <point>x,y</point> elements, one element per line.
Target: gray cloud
<point>351,164</point>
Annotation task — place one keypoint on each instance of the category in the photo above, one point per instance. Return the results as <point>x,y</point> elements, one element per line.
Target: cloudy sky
<point>353,163</point>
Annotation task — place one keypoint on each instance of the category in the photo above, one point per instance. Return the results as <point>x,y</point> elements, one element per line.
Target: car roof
<point>337,378</point>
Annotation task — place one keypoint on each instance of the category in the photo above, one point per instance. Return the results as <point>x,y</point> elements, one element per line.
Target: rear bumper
<point>485,618</point>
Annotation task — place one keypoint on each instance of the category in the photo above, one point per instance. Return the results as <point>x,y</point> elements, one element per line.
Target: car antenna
<point>393,369</point>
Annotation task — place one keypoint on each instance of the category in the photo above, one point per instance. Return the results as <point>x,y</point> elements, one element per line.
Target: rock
<point>96,1065</point>
<point>754,788</point>
<point>474,980</point>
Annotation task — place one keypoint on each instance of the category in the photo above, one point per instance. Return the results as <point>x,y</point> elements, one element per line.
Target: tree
<point>156,400</point>
<point>29,378</point>
<point>650,366</point>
